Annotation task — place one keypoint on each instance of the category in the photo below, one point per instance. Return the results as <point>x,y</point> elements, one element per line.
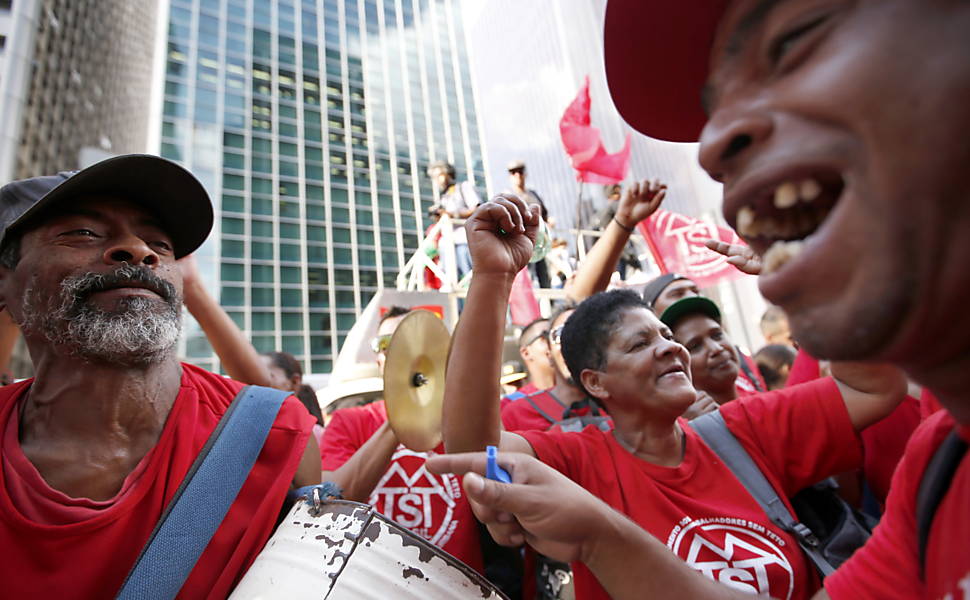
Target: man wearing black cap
<point>517,175</point>
<point>668,288</point>
<point>95,446</point>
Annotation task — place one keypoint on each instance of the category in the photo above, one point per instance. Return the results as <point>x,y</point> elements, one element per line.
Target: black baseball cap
<point>163,188</point>
<point>690,306</point>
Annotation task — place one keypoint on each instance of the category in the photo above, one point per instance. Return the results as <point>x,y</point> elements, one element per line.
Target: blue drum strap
<point>204,497</point>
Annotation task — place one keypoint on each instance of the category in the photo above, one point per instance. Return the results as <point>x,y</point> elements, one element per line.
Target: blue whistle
<point>492,470</point>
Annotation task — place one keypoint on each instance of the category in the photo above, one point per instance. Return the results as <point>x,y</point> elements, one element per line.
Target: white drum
<point>347,550</point>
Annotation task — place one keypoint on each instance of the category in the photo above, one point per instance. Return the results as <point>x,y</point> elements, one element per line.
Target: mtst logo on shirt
<point>736,552</point>
<point>414,498</point>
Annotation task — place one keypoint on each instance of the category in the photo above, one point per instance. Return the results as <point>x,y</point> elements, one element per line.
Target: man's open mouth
<point>782,216</point>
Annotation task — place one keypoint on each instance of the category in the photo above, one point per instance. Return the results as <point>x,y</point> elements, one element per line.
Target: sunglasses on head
<point>555,335</point>
<point>380,343</point>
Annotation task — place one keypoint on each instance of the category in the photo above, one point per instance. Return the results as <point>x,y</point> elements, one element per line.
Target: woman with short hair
<point>652,466</point>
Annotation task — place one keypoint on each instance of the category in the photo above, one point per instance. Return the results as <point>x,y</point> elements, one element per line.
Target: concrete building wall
<point>18,25</point>
<point>89,82</point>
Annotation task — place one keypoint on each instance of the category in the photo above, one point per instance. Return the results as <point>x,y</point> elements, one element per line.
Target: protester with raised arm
<point>652,466</point>
<point>236,353</point>
<point>639,201</point>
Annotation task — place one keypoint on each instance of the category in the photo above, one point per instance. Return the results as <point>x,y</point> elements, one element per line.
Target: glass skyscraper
<point>312,123</point>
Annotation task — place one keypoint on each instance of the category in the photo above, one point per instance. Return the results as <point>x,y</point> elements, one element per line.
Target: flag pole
<point>579,209</point>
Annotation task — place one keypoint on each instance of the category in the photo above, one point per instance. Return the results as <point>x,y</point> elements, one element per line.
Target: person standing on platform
<point>539,269</point>
<point>458,200</point>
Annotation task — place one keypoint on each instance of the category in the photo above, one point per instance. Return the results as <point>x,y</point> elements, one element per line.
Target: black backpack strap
<point>933,487</point>
<point>714,431</point>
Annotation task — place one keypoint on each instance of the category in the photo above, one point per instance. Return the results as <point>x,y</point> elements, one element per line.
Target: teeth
<point>786,195</point>
<point>789,224</point>
<point>745,220</point>
<point>780,253</point>
<point>809,190</point>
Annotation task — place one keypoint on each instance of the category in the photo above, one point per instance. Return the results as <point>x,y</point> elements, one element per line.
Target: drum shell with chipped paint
<point>347,550</point>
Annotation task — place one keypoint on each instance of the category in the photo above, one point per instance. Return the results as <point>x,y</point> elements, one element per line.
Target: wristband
<point>622,226</point>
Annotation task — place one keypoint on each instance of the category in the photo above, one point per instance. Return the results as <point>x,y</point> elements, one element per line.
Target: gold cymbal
<point>414,379</point>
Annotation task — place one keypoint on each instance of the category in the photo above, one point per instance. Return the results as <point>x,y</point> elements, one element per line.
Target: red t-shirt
<point>52,545</point>
<point>528,388</point>
<point>520,415</point>
<point>883,442</point>
<point>928,404</point>
<point>887,567</point>
<point>432,506</point>
<point>805,368</point>
<point>699,509</point>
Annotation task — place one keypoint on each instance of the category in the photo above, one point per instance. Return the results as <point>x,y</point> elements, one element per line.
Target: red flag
<point>677,244</point>
<point>522,300</point>
<point>584,146</point>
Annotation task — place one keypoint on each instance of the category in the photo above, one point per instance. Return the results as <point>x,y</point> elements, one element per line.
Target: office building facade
<point>312,123</point>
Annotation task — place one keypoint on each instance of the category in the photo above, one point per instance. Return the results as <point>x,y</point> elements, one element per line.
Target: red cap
<point>657,55</point>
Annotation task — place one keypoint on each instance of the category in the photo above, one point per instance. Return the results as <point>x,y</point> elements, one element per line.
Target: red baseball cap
<point>657,55</point>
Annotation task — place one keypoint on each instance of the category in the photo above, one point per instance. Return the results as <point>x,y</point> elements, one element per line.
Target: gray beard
<point>140,331</point>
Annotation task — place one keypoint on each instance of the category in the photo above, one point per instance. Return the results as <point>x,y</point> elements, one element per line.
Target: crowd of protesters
<point>648,455</point>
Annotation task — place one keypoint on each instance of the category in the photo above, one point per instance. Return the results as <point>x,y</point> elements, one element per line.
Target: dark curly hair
<point>286,362</point>
<point>588,330</point>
